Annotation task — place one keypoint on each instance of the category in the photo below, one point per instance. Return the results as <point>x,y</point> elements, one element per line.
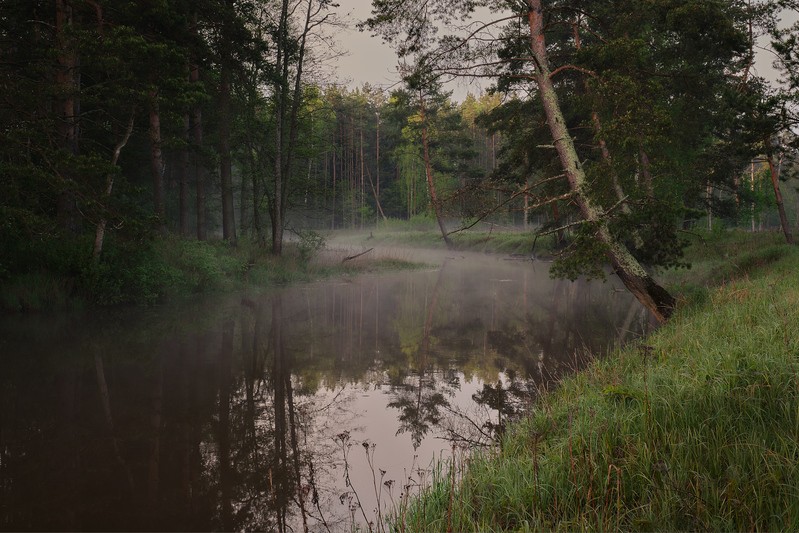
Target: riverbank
<point>486,239</point>
<point>694,428</point>
<point>62,276</point>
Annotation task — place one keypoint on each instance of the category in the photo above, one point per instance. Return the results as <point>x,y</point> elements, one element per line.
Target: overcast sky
<point>368,60</point>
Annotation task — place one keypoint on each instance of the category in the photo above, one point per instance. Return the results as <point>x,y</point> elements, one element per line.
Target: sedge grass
<point>695,428</point>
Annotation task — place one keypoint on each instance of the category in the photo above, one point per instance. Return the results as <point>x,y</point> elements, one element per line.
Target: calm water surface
<point>316,406</point>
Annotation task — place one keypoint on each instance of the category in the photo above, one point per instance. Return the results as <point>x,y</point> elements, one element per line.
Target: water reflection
<point>304,409</point>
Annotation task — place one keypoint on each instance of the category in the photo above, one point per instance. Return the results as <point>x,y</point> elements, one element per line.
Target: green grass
<point>497,241</point>
<point>695,428</point>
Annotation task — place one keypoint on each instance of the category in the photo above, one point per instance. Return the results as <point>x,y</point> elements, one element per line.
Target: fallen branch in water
<point>356,255</point>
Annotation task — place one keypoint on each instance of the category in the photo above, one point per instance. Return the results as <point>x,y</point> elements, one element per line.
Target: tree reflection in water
<point>422,397</point>
<point>227,414</point>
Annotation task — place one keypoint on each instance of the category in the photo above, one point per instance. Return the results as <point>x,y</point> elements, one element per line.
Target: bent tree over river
<point>316,406</point>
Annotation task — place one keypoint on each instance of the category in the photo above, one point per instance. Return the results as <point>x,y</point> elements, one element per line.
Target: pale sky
<point>369,60</point>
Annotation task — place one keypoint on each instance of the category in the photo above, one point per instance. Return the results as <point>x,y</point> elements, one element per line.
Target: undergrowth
<point>62,275</point>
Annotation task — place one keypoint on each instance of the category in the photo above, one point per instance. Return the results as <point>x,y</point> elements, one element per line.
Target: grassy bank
<point>695,428</point>
<point>62,276</point>
<point>499,240</point>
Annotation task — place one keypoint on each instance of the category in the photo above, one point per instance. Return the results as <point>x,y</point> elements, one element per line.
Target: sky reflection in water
<point>255,412</point>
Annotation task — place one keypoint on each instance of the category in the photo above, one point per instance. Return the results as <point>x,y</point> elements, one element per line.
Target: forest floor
<point>695,427</point>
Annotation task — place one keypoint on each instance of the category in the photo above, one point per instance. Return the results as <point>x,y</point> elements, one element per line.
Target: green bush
<point>310,244</point>
<point>129,274</point>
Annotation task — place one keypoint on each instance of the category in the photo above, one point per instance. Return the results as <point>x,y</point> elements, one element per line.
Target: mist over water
<point>313,405</point>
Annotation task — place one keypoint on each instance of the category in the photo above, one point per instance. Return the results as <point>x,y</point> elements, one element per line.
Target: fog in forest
<point>206,415</point>
<point>275,264</point>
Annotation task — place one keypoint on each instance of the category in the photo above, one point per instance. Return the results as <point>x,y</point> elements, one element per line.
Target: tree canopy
<point>127,120</point>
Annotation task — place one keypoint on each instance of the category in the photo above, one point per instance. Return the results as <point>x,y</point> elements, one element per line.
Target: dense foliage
<point>126,121</point>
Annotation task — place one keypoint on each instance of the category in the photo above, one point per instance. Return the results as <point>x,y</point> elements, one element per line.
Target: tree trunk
<point>99,234</point>
<point>281,97</point>
<point>560,235</point>
<point>646,172</point>
<point>197,139</point>
<point>632,274</point>
<point>606,157</point>
<point>377,157</point>
<point>183,195</point>
<point>199,172</point>
<point>244,194</point>
<point>774,172</point>
<point>597,124</point>
<point>225,160</point>
<point>66,79</point>
<point>431,186</point>
<point>256,201</point>
<point>286,117</point>
<point>157,160</point>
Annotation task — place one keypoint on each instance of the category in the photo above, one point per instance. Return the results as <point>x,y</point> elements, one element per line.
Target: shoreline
<point>694,427</point>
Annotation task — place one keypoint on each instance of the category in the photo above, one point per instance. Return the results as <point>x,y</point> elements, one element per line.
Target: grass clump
<point>697,429</point>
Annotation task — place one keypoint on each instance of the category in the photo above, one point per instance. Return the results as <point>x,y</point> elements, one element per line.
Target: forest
<point>610,128</point>
<point>197,157</point>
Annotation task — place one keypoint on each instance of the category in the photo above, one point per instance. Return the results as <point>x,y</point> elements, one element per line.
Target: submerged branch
<point>356,255</point>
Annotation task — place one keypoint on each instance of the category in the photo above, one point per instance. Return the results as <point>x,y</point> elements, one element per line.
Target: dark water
<point>282,410</point>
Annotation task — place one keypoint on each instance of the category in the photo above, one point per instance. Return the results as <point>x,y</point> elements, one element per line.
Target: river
<point>320,405</point>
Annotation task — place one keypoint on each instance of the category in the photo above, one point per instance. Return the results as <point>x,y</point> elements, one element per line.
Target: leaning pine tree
<point>629,270</point>
<point>415,18</point>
